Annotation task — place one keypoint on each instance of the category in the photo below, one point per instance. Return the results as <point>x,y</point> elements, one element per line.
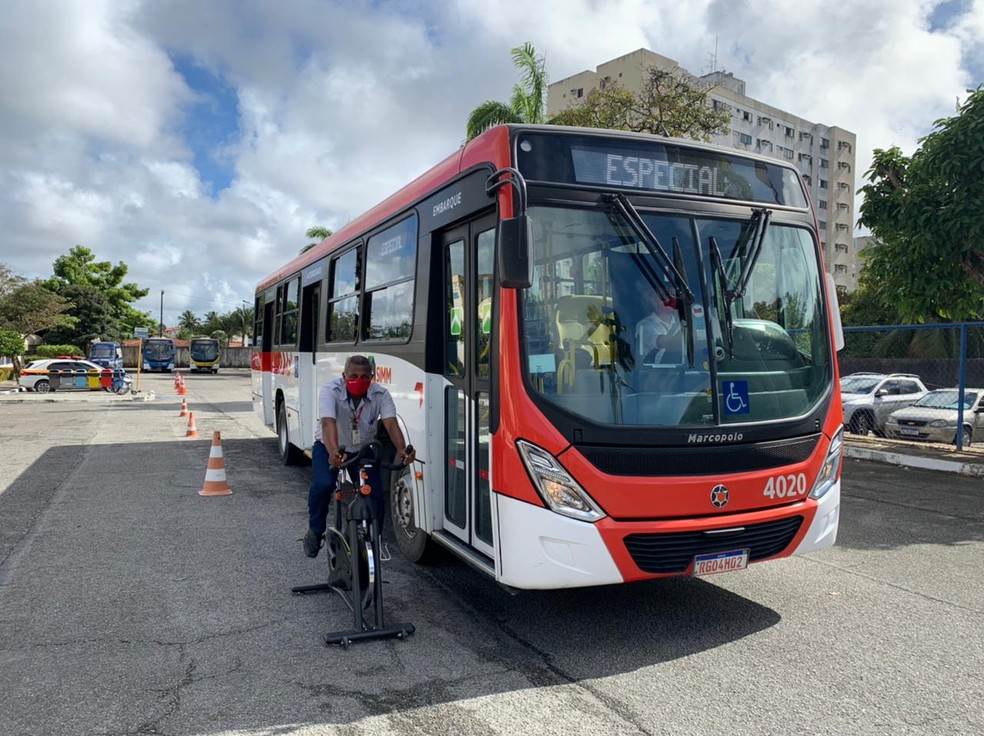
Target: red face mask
<point>357,387</point>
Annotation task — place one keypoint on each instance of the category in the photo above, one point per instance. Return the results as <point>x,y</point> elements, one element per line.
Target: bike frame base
<point>344,638</point>
<point>306,589</point>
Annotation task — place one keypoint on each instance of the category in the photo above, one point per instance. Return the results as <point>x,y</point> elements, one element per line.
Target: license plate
<point>735,559</point>
<point>909,431</point>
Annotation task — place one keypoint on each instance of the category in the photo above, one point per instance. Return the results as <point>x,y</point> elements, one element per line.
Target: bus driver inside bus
<point>349,411</point>
<point>657,336</point>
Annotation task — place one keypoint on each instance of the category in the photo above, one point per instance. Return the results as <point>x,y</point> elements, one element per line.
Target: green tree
<point>12,346</point>
<point>211,322</point>
<point>672,103</point>
<point>80,268</point>
<point>318,233</point>
<point>927,212</point>
<point>94,318</point>
<point>31,308</point>
<point>237,322</point>
<point>189,321</point>
<point>528,103</point>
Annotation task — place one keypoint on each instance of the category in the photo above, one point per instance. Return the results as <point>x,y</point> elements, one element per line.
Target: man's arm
<point>396,435</point>
<point>329,433</point>
<point>669,336</point>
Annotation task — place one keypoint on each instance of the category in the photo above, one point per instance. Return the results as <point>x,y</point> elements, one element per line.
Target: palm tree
<point>318,232</point>
<point>188,321</point>
<point>528,102</point>
<point>211,322</point>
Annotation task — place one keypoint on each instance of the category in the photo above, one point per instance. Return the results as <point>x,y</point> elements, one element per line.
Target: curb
<point>975,470</point>
<point>27,397</point>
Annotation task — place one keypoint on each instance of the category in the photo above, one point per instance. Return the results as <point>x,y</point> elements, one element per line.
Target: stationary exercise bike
<point>352,546</point>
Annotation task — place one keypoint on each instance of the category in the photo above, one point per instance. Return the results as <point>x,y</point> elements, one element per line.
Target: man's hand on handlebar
<point>341,459</point>
<point>406,456</point>
<point>335,459</point>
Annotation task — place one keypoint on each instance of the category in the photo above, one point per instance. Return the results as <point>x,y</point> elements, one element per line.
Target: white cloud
<point>78,66</point>
<point>340,103</point>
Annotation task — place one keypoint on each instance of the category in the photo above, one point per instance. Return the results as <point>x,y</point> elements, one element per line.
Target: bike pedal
<point>384,553</point>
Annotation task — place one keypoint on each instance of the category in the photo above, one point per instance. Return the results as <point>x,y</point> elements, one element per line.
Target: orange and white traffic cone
<point>192,429</point>
<point>182,391</point>
<point>184,408</point>
<point>215,477</point>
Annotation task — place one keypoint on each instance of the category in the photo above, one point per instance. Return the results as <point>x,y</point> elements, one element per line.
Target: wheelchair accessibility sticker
<point>735,397</point>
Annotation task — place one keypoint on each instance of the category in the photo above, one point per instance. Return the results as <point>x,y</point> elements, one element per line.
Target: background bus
<point>158,354</point>
<point>204,352</point>
<point>106,354</point>
<point>500,296</point>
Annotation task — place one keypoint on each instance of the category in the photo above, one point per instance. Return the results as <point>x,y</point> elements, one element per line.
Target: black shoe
<point>312,543</point>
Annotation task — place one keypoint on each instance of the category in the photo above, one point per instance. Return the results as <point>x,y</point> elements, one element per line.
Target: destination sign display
<point>628,163</point>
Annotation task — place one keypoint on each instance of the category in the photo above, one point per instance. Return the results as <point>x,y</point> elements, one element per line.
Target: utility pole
<point>160,328</point>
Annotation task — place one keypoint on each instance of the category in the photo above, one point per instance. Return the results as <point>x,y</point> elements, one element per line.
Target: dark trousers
<point>324,480</point>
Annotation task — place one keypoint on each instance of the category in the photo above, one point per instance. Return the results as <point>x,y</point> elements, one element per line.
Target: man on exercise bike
<point>349,409</point>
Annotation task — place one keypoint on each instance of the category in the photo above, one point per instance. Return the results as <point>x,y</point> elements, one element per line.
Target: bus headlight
<point>830,471</point>
<point>558,489</point>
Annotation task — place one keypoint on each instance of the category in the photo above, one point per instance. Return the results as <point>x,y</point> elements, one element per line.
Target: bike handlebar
<point>376,446</point>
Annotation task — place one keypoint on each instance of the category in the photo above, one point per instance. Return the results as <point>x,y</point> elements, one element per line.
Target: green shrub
<point>53,351</point>
<point>11,344</point>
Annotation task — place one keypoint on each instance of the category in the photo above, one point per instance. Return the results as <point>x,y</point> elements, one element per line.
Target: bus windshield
<point>204,349</point>
<point>102,350</point>
<point>701,321</point>
<point>158,349</point>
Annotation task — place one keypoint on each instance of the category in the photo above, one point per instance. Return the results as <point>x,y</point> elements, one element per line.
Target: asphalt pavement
<point>131,604</point>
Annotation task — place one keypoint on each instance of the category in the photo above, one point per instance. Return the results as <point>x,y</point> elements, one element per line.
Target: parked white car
<point>869,399</point>
<point>934,417</point>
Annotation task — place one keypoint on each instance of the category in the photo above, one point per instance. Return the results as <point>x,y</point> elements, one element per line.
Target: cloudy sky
<point>197,140</point>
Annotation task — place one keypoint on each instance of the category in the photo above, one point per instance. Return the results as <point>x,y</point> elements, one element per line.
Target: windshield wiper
<point>624,207</point>
<point>717,263</point>
<point>756,236</point>
<point>684,313</point>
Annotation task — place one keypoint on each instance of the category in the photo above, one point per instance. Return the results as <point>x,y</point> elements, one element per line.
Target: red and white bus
<point>499,296</point>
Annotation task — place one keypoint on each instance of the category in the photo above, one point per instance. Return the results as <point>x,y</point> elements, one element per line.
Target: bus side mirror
<point>514,249</point>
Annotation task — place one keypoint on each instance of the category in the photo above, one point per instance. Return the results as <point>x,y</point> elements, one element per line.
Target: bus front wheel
<point>289,454</point>
<point>414,543</point>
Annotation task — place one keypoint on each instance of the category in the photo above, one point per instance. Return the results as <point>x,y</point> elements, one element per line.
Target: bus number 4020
<point>786,486</point>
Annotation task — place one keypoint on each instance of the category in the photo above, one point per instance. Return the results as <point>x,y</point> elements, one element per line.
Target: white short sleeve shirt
<point>647,331</point>
<point>348,413</point>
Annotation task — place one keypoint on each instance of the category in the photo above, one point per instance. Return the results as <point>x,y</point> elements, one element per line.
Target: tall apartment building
<point>824,155</point>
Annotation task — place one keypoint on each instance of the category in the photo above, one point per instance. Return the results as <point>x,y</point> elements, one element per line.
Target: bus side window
<point>391,256</point>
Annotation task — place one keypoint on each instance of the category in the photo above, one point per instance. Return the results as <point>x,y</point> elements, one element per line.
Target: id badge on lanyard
<point>356,415</point>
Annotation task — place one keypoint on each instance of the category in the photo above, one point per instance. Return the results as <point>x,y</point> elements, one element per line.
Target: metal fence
<point>942,355</point>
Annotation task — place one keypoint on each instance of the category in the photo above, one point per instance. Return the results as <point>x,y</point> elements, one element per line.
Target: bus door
<point>307,361</point>
<point>468,254</point>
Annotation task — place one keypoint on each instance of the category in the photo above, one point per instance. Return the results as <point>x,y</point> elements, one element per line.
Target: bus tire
<point>414,543</point>
<point>289,454</point>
